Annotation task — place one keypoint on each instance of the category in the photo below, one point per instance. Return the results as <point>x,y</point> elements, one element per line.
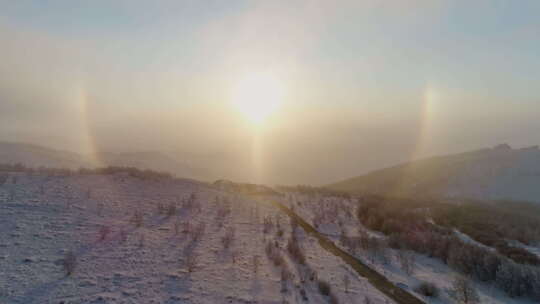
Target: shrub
<point>296,251</point>
<point>313,275</point>
<point>427,289</point>
<point>324,287</point>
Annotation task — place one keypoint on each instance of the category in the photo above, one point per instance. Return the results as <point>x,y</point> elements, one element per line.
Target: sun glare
<point>257,96</point>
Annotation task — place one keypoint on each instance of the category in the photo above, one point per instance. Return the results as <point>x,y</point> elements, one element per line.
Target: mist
<point>94,89</point>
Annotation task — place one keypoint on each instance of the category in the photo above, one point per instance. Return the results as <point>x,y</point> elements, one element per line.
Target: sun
<point>257,96</point>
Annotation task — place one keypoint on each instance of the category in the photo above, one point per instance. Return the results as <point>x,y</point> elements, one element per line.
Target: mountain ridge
<point>33,155</point>
<point>498,173</point>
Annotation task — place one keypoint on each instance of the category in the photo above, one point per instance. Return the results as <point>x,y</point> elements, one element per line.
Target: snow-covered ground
<point>467,239</point>
<point>121,258</point>
<point>533,248</point>
<point>334,215</point>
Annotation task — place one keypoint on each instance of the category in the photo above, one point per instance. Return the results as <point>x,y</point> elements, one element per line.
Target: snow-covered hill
<point>156,241</point>
<point>497,173</point>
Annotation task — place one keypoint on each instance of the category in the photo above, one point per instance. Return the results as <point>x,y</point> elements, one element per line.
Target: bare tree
<point>407,261</point>
<point>294,226</point>
<point>464,291</point>
<point>3,179</point>
<point>304,274</point>
<point>142,241</point>
<point>286,275</point>
<point>137,218</point>
<point>187,227</point>
<point>176,227</point>
<point>234,256</point>
<point>346,282</point>
<point>123,236</point>
<point>160,208</point>
<point>11,195</point>
<point>256,262</point>
<point>100,208</point>
<point>199,232</point>
<point>171,209</point>
<point>228,238</point>
<point>103,232</point>
<point>191,262</point>
<point>296,251</point>
<point>267,224</point>
<point>69,263</point>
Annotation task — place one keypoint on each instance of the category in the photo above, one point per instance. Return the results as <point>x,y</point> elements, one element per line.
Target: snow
<point>533,248</point>
<point>50,216</point>
<point>467,239</point>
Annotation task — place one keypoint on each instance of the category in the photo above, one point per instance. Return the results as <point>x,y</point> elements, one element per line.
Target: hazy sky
<point>367,83</point>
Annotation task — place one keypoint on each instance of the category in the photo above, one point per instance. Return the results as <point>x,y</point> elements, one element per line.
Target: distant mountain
<point>35,156</point>
<point>496,173</point>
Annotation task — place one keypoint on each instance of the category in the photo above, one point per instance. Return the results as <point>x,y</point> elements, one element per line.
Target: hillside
<point>123,238</point>
<point>497,173</point>
<point>120,239</point>
<point>407,241</point>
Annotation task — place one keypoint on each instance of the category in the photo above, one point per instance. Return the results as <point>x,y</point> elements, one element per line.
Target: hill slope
<point>497,173</point>
<point>212,247</point>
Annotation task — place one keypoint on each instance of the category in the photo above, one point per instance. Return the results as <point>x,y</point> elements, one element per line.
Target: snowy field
<point>155,241</point>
